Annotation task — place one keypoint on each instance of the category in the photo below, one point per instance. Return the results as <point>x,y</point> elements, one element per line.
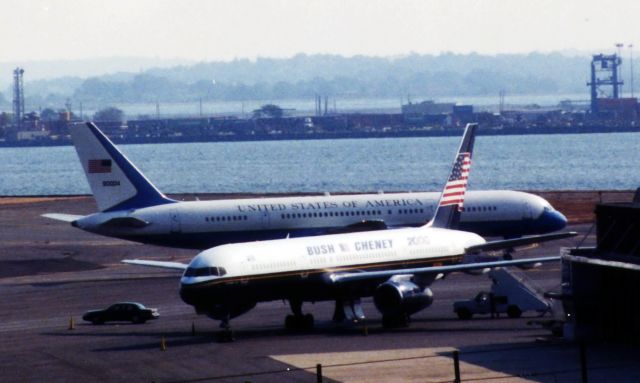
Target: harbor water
<point>528,162</point>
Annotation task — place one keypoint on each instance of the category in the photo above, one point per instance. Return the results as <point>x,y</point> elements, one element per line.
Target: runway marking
<point>107,242</point>
<point>21,200</point>
<point>105,275</point>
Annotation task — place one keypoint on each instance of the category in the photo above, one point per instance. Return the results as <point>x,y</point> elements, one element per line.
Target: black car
<point>123,311</point>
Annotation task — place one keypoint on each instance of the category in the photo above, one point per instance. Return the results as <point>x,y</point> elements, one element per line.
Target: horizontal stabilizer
<point>510,243</point>
<point>164,265</point>
<point>383,274</point>
<point>63,217</point>
<point>126,222</point>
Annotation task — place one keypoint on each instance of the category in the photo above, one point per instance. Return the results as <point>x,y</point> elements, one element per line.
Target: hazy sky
<point>227,29</point>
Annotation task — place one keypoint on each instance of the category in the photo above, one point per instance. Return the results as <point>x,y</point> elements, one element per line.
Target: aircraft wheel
<point>307,321</point>
<point>514,312</point>
<point>226,336</point>
<point>464,313</point>
<point>557,330</point>
<point>137,320</point>
<point>290,322</point>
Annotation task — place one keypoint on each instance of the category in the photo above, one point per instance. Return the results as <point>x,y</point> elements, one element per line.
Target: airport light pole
<point>619,59</point>
<point>631,68</point>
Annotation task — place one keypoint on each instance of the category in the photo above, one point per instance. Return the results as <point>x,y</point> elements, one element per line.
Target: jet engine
<point>397,297</point>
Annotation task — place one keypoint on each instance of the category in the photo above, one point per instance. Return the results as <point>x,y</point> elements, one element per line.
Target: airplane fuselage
<point>204,224</point>
<point>239,275</point>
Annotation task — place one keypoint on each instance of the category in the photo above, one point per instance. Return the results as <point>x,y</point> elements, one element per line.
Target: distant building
<point>540,116</point>
<point>30,129</point>
<point>463,114</point>
<point>427,108</point>
<point>428,112</point>
<point>618,108</point>
<point>30,135</point>
<point>113,128</point>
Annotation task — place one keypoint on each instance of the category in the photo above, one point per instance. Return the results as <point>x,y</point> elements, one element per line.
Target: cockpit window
<point>205,271</point>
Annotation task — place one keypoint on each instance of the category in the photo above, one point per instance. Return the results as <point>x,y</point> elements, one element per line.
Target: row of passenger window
<point>226,218</point>
<point>360,256</point>
<point>343,213</point>
<point>273,265</point>
<point>331,214</point>
<point>479,208</point>
<point>409,211</point>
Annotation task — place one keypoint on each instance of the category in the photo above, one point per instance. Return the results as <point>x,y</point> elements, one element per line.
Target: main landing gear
<point>298,321</point>
<point>348,310</point>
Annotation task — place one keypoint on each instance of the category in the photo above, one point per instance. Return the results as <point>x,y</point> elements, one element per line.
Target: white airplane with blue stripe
<point>132,208</point>
<point>396,267</point>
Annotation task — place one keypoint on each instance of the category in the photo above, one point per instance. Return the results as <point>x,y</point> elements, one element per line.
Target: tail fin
<point>452,199</point>
<point>115,182</point>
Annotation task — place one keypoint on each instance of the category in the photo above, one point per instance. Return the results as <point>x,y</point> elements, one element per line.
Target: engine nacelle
<point>401,297</point>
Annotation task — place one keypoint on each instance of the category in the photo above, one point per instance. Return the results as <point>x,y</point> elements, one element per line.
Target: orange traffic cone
<point>163,344</point>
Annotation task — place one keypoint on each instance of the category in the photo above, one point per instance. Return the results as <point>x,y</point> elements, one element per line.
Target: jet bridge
<point>601,285</point>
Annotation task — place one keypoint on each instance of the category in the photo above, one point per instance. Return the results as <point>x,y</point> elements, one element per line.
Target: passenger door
<point>527,212</point>
<point>176,225</point>
<point>265,220</point>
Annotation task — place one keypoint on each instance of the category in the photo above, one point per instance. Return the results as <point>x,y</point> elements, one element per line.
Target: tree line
<point>304,76</point>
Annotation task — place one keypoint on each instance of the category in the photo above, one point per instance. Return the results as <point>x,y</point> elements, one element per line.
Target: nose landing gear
<point>226,335</point>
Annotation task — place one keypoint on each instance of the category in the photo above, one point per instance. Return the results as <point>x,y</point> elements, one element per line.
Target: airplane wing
<point>164,265</point>
<point>339,278</point>
<point>510,243</point>
<point>62,217</point>
<point>365,225</point>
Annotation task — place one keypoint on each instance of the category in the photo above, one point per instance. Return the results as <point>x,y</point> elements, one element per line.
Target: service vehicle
<point>510,294</point>
<point>123,312</point>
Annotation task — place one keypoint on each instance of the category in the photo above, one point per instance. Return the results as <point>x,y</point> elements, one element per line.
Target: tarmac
<point>51,273</point>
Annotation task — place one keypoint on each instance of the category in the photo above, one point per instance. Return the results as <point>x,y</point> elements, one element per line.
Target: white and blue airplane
<point>396,267</point>
<point>132,208</point>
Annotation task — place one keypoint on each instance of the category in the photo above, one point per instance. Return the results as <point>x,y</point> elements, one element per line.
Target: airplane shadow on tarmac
<point>176,338</point>
<point>325,329</point>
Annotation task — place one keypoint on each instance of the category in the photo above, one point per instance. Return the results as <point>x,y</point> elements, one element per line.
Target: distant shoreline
<point>435,132</point>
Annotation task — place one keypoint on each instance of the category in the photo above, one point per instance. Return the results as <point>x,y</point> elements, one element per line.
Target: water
<point>535,162</point>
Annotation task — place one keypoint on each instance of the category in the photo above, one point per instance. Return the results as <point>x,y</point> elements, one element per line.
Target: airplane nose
<point>187,294</point>
<point>551,220</point>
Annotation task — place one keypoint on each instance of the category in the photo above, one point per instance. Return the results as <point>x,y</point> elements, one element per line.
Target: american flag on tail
<point>99,166</point>
<point>457,184</point>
